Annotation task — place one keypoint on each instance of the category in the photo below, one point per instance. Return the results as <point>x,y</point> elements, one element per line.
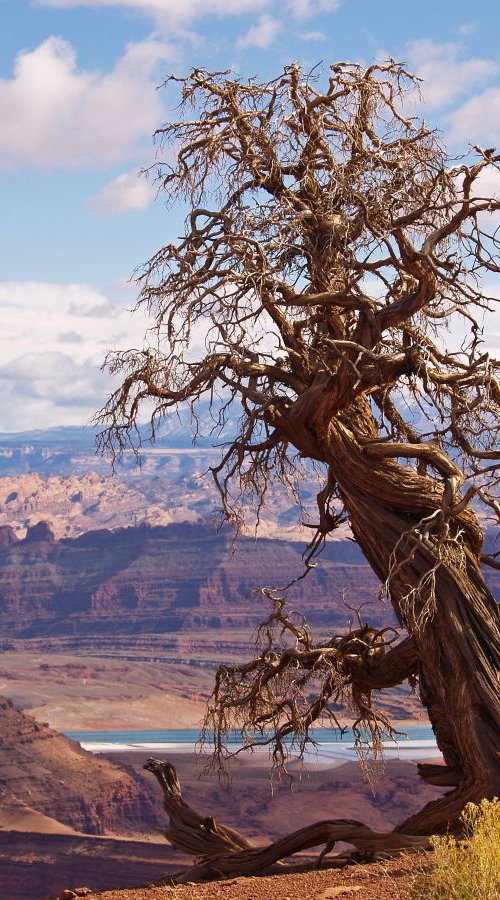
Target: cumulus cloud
<point>446,74</point>
<point>91,306</point>
<point>52,377</point>
<point>52,344</point>
<point>488,184</point>
<point>55,114</point>
<point>262,34</point>
<point>36,314</point>
<point>128,191</point>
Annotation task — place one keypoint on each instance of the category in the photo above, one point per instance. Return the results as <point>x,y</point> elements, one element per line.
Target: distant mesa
<point>8,537</point>
<point>39,533</point>
<point>165,579</point>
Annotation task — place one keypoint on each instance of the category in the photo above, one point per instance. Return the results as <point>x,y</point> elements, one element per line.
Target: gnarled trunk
<point>451,614</point>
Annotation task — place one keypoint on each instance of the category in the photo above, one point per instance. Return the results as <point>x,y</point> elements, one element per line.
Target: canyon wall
<point>165,580</point>
<point>43,772</point>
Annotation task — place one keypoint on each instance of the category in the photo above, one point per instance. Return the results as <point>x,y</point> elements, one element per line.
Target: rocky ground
<point>39,858</point>
<point>390,880</point>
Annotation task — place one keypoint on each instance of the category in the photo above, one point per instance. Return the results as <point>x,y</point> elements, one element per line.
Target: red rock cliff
<point>51,774</point>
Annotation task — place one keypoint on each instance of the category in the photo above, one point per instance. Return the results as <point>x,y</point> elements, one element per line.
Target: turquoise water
<point>191,736</point>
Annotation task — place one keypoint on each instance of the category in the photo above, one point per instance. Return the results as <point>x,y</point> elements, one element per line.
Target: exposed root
<point>221,852</point>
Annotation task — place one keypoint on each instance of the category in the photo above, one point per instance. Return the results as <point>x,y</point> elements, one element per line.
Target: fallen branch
<point>188,830</point>
<point>223,852</point>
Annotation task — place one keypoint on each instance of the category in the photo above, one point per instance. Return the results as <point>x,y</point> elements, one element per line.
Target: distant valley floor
<point>133,688</point>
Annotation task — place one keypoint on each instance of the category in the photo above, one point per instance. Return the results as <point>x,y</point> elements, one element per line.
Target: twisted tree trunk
<point>435,585</point>
<point>457,636</point>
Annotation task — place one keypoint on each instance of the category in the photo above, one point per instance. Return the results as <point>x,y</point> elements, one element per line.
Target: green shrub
<point>467,869</point>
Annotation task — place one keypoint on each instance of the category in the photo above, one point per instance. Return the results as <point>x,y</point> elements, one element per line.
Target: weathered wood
<point>302,228</point>
<point>439,775</point>
<point>439,595</point>
<point>189,831</point>
<point>222,851</point>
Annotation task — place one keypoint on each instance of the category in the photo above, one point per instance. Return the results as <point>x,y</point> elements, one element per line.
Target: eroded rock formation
<point>163,580</point>
<point>42,771</point>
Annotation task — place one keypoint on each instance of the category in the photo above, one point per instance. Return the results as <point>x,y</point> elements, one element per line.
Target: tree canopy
<point>328,239</point>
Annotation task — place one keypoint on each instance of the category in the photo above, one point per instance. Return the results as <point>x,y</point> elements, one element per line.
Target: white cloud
<point>478,120</point>
<point>313,36</point>
<point>52,344</point>
<point>304,9</point>
<point>172,12</point>
<point>69,337</point>
<point>467,28</point>
<point>54,114</point>
<point>488,184</point>
<point>446,75</point>
<point>181,12</point>
<point>55,381</point>
<point>262,34</point>
<point>128,191</point>
<point>37,315</point>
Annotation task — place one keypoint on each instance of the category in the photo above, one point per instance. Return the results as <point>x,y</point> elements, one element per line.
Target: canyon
<point>119,597</point>
<point>56,476</point>
<point>125,628</point>
<point>46,777</point>
<point>166,580</point>
<point>64,812</point>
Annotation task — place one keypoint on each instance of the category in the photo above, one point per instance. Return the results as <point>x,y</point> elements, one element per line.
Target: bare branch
<point>331,256</point>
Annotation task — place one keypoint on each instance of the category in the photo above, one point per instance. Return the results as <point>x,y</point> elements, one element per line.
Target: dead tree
<point>335,270</point>
<point>221,851</point>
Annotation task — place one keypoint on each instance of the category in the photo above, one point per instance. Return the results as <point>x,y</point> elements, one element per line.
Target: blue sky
<point>79,103</point>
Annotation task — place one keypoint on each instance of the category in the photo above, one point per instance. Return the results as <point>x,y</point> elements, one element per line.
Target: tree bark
<point>221,851</point>
<point>458,642</point>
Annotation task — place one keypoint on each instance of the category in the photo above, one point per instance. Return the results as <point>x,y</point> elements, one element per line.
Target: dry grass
<point>468,869</point>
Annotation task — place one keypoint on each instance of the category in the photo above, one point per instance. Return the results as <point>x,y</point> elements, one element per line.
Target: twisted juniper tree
<point>335,270</point>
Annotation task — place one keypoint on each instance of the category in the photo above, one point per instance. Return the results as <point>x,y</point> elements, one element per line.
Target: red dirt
<point>391,880</point>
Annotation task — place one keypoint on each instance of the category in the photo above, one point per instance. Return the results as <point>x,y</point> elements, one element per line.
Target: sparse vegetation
<point>468,869</point>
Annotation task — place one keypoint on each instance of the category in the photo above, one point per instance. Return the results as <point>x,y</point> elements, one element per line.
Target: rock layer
<point>163,580</point>
<point>45,772</point>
